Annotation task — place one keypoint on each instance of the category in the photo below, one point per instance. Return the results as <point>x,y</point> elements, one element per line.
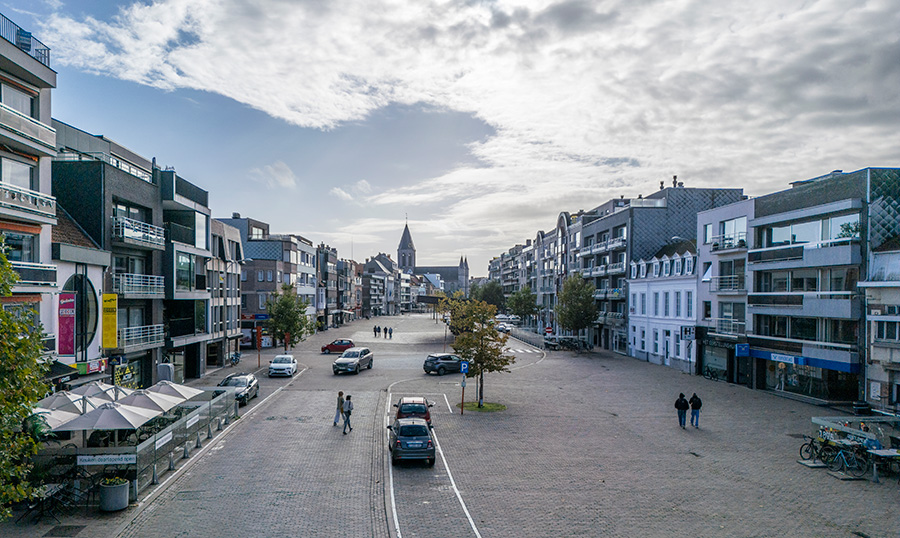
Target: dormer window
<point>677,269</point>
<point>667,266</point>
<point>655,269</point>
<point>643,270</point>
<point>633,271</point>
<point>689,265</point>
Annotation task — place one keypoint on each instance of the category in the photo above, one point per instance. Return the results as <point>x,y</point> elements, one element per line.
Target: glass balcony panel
<point>135,231</point>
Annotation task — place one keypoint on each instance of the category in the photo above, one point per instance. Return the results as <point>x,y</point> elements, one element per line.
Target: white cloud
<point>341,193</point>
<point>277,175</point>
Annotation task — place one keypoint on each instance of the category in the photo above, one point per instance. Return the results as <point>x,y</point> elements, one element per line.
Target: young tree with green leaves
<point>287,317</point>
<point>523,303</point>
<point>491,293</point>
<point>576,309</point>
<point>482,345</point>
<point>21,386</point>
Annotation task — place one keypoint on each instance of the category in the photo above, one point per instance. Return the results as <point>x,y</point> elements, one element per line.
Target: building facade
<point>882,296</point>
<point>224,277</point>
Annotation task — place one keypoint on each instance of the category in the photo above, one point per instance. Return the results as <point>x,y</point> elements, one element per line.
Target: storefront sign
<point>712,342</point>
<point>163,440</point>
<point>107,459</point>
<point>66,324</point>
<point>742,350</point>
<point>125,375</point>
<point>875,390</point>
<point>91,367</point>
<point>260,316</point>
<point>790,359</point>
<point>110,319</point>
<point>688,332</point>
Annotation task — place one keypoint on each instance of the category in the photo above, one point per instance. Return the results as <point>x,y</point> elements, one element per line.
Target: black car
<point>442,363</point>
<point>246,386</point>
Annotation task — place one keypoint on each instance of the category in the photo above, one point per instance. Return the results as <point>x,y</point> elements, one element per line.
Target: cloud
<point>277,175</point>
<point>341,193</point>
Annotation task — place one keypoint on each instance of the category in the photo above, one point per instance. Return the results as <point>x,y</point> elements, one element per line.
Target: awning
<point>59,370</point>
<point>98,376</point>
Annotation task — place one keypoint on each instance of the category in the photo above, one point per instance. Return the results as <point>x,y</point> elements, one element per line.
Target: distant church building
<point>455,278</point>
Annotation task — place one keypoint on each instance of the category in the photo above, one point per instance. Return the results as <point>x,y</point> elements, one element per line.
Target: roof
<point>69,232</point>
<point>889,245</point>
<point>688,245</point>
<point>406,241</point>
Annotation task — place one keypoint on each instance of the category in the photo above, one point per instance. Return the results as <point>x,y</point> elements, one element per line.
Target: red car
<point>338,346</point>
<point>414,406</point>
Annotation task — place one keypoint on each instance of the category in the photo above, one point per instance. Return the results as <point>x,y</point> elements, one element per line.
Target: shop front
<point>131,370</point>
<point>806,376</point>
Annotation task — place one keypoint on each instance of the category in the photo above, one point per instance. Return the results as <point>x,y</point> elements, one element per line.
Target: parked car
<point>283,365</point>
<point>353,360</point>
<point>338,346</point>
<point>246,386</point>
<point>411,439</point>
<point>502,327</point>
<point>442,363</point>
<point>414,407</point>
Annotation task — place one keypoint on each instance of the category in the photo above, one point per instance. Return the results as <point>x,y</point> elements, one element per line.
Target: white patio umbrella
<point>156,401</point>
<point>67,401</point>
<point>55,417</point>
<point>174,389</point>
<point>110,416</point>
<point>99,389</point>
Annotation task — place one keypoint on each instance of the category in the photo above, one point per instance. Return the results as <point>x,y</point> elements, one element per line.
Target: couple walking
<point>694,404</point>
<point>344,409</point>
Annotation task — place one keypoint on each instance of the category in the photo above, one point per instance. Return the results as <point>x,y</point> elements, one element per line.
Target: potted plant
<point>113,494</point>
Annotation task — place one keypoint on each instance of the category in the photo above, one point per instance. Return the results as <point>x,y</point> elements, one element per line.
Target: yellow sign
<point>110,318</point>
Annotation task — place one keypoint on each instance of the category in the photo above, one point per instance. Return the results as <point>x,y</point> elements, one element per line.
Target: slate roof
<point>69,232</point>
<point>680,247</point>
<point>406,241</point>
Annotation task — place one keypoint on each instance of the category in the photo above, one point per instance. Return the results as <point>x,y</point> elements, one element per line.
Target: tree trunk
<point>481,390</point>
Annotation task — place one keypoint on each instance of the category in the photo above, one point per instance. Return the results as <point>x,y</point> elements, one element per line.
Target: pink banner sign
<point>66,325</point>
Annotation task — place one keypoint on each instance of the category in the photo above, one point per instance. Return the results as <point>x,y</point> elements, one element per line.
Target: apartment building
<point>27,145</point>
<point>328,313</point>
<point>882,296</point>
<point>224,278</point>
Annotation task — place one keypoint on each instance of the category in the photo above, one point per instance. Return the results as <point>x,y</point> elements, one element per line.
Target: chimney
<point>640,196</point>
<point>674,181</point>
<point>235,215</point>
<point>662,185</point>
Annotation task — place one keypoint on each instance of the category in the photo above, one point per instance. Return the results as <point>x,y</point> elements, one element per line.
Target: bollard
<point>187,451</point>
<point>236,408</point>
<point>171,461</point>
<point>227,421</point>
<point>133,491</point>
<point>199,444</point>
<point>219,424</point>
<point>155,479</point>
<point>209,430</point>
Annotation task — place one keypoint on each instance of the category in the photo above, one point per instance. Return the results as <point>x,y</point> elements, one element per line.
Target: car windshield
<point>413,430</point>
<point>409,408</point>
<point>236,382</point>
<point>282,360</point>
<point>350,354</point>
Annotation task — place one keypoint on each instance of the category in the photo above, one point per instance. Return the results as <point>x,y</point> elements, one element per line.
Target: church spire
<point>406,251</point>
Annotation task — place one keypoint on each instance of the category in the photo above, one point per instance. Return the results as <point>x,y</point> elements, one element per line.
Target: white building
<point>662,307</point>
<point>882,293</point>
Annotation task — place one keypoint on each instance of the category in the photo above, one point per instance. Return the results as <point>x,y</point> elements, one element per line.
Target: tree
<point>482,345</point>
<point>576,309</point>
<point>21,386</point>
<point>287,316</point>
<point>523,303</point>
<point>491,293</point>
<point>453,307</point>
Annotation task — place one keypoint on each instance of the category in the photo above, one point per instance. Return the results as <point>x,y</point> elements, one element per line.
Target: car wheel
<point>327,351</point>
<point>357,370</point>
<point>441,371</point>
<point>370,365</point>
<point>431,462</point>
<point>394,461</point>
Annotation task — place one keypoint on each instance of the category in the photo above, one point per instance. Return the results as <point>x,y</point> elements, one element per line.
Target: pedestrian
<point>340,407</point>
<point>696,404</point>
<point>375,330</point>
<point>385,330</point>
<point>680,404</point>
<point>348,408</point>
<point>391,332</point>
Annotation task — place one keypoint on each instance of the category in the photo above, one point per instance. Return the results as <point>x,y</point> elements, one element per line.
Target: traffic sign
<point>464,367</point>
<point>549,330</point>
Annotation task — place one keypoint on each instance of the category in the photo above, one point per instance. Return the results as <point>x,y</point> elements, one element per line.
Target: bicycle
<point>817,449</point>
<point>851,460</point>
<point>710,373</point>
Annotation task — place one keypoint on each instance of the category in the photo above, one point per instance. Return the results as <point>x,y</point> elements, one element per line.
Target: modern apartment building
<point>328,313</point>
<point>113,194</point>
<point>882,296</point>
<point>27,144</point>
<point>810,246</point>
<point>224,279</point>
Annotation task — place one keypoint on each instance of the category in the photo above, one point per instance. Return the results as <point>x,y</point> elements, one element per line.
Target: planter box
<point>114,498</point>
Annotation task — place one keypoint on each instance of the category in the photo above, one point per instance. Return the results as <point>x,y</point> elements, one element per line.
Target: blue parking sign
<point>464,367</point>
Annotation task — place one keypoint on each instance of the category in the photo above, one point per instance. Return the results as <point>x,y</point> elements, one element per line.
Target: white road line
<point>455,489</point>
<point>448,403</point>
<point>391,477</point>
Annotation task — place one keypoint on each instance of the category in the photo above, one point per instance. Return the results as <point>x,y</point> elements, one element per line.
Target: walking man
<point>348,408</point>
<point>391,332</point>
<point>680,404</point>
<point>375,330</point>
<point>696,404</point>
<point>340,407</point>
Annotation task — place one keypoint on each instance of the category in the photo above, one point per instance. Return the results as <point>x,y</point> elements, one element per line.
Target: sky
<point>475,121</point>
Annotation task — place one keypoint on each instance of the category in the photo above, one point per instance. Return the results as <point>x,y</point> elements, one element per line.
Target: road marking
<point>455,489</point>
<point>448,403</point>
<point>391,473</point>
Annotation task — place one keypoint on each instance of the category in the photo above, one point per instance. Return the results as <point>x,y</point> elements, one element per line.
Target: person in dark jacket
<point>696,404</point>
<point>682,406</point>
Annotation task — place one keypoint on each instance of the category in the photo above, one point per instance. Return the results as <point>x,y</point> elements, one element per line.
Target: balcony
<point>69,156</point>
<point>844,251</point>
<point>600,294</point>
<point>40,275</point>
<point>29,202</point>
<point>729,242</point>
<point>137,233</point>
<point>601,246</point>
<point>27,131</point>
<point>728,326</point>
<point>616,268</point>
<point>615,293</point>
<point>143,337</point>
<point>617,243</point>
<point>819,304</point>
<point>728,284</point>
<point>586,273</point>
<point>600,270</point>
<point>133,285</point>
<point>27,43</point>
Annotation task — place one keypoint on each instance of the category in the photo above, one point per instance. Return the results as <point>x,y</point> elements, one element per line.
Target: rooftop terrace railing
<point>26,42</point>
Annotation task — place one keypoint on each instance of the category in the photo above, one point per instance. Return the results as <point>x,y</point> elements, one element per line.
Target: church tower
<point>406,252</point>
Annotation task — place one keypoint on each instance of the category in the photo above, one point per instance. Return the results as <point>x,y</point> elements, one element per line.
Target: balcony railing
<point>615,293</point>
<point>728,283</point>
<point>729,326</point>
<point>135,231</point>
<point>126,167</point>
<point>143,336</point>
<point>600,294</point>
<point>27,127</point>
<point>135,284</point>
<point>793,251</point>
<point>600,270</point>
<point>617,243</point>
<point>14,197</point>
<point>729,241</point>
<point>615,268</point>
<point>27,43</point>
<point>35,274</point>
<point>586,273</point>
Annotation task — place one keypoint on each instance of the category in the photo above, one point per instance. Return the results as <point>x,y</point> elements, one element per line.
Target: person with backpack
<point>682,406</point>
<point>348,409</point>
<point>696,404</point>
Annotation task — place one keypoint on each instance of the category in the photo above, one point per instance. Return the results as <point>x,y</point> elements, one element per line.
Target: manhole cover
<point>65,530</point>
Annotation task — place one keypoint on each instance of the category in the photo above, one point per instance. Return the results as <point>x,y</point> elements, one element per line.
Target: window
<point>18,174</point>
<point>200,226</point>
<point>667,266</point>
<point>260,276</point>
<point>656,303</point>
<point>184,271</point>
<point>689,304</point>
<point>887,330</point>
<point>644,304</point>
<point>269,276</point>
<point>643,270</point>
<point>803,328</point>
<point>655,269</point>
<point>262,301</point>
<point>21,247</point>
<point>666,304</point>
<point>633,302</point>
<point>243,275</point>
<point>707,272</point>
<point>17,100</point>
<point>677,269</point>
<point>256,233</point>
<point>656,341</point>
<point>278,277</point>
<point>707,309</point>
<point>677,344</point>
<point>643,340</point>
<point>633,271</point>
<point>677,313</point>
<point>689,265</point>
<point>244,301</point>
<point>707,234</point>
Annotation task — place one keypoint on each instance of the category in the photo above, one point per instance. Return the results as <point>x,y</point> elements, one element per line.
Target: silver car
<point>411,440</point>
<point>353,360</point>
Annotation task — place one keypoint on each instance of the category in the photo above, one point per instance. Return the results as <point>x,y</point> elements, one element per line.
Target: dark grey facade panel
<point>813,193</point>
<point>78,186</point>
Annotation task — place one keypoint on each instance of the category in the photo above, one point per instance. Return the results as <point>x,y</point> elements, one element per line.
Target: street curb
<point>164,485</point>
